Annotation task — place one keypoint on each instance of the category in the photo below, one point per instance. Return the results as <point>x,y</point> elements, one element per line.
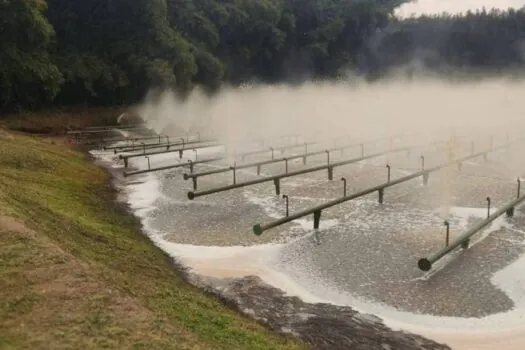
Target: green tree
<point>27,75</point>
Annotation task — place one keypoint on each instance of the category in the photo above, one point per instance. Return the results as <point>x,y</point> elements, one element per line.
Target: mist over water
<point>327,111</point>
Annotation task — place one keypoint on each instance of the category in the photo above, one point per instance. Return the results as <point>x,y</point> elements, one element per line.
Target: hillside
<point>78,273</point>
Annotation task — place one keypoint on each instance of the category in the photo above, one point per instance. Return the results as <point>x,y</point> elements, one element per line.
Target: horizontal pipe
<point>425,264</point>
<point>136,172</point>
<point>259,229</point>
<point>278,160</point>
<point>127,156</point>
<point>192,195</point>
<point>276,149</point>
<point>82,132</point>
<point>138,146</point>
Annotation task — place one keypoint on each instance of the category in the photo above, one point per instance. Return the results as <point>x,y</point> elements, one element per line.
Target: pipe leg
<point>125,162</point>
<point>277,184</point>
<point>425,179</point>
<point>258,170</point>
<point>317,219</point>
<point>381,195</point>
<point>330,173</point>
<point>194,183</point>
<point>510,212</point>
<point>304,160</point>
<point>180,154</point>
<point>465,244</point>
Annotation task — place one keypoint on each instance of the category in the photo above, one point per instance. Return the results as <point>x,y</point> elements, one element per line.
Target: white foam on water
<point>258,260</point>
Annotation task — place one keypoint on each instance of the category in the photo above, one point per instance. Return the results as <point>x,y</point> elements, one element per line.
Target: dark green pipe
<point>425,264</point>
<point>130,173</point>
<point>192,195</point>
<point>258,229</point>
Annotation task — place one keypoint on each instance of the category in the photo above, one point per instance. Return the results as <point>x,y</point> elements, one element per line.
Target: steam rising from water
<point>331,110</point>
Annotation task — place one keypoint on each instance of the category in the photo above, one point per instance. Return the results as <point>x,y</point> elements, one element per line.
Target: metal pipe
<point>388,176</point>
<point>143,171</point>
<point>425,264</point>
<point>422,162</point>
<point>149,167</point>
<point>127,148</point>
<point>258,229</point>
<point>173,150</point>
<point>447,224</point>
<point>271,161</point>
<point>192,195</point>
<point>234,171</point>
<point>488,207</point>
<point>344,186</point>
<point>519,186</point>
<point>271,148</point>
<point>287,207</point>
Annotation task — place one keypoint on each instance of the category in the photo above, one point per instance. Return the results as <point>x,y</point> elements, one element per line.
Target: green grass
<point>77,273</point>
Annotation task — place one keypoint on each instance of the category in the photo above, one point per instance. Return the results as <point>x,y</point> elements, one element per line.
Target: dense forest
<point>105,52</point>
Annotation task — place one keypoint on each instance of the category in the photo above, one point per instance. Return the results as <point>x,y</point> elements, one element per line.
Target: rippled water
<point>365,254</point>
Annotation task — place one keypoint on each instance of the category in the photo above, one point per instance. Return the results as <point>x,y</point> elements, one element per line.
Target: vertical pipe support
<point>195,150</point>
<point>149,167</point>
<point>488,207</point>
<point>286,165</point>
<point>425,178</point>
<point>381,193</point>
<point>330,173</point>
<point>194,183</point>
<point>273,152</point>
<point>422,163</point>
<point>287,204</point>
<point>126,162</point>
<point>344,186</point>
<point>447,237</point>
<point>277,183</point>
<point>317,219</point>
<point>259,169</point>
<point>388,175</point>
<point>519,187</point>
<point>191,166</point>
<point>233,168</point>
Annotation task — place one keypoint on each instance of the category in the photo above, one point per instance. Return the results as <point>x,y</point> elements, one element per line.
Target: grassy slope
<point>76,273</point>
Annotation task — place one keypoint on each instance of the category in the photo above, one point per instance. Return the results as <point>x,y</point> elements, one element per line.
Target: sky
<point>455,6</point>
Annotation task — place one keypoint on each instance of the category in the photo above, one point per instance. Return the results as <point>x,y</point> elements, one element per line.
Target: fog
<point>329,111</point>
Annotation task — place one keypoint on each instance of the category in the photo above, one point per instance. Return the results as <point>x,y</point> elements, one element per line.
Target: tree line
<point>107,52</point>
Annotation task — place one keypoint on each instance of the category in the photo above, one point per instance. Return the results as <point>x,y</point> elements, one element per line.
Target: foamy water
<point>237,261</point>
